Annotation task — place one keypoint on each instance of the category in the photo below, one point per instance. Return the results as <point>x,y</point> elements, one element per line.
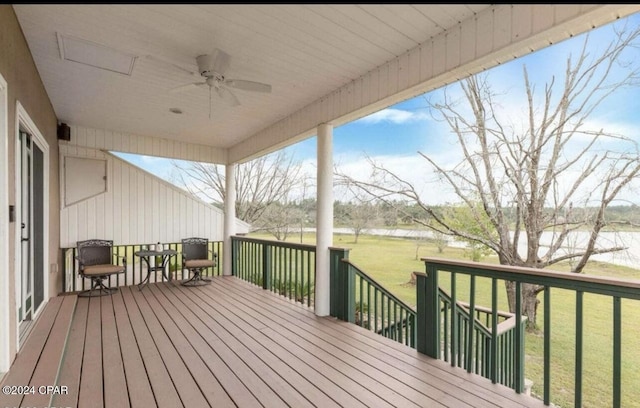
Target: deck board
<point>90,394</point>
<point>46,371</point>
<point>138,385</point>
<point>209,385</point>
<point>270,353</point>
<point>230,344</point>
<point>71,366</point>
<point>114,376</point>
<point>26,361</point>
<point>164,391</point>
<point>481,389</point>
<point>380,393</point>
<point>183,380</point>
<point>293,390</point>
<point>242,384</point>
<point>339,353</point>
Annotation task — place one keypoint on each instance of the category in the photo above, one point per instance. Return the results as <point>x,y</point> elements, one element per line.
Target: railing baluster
<point>445,328</point>
<point>518,349</point>
<point>578,350</point>
<point>454,321</point>
<point>617,352</point>
<point>547,346</point>
<point>375,310</point>
<point>494,330</point>
<point>369,304</point>
<point>360,303</point>
<point>310,292</point>
<point>472,316</point>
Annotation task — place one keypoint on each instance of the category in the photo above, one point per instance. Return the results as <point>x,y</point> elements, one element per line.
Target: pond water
<point>629,257</point>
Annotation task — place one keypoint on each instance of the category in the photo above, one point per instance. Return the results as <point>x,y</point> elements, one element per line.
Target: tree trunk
<point>529,301</point>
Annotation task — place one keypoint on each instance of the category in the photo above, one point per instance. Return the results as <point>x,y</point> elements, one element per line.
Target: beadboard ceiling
<point>304,51</point>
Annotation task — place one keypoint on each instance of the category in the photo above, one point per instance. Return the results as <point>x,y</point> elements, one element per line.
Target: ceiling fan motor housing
<point>212,64</point>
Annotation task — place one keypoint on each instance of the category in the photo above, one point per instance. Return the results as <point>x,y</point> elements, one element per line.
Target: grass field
<point>391,260</point>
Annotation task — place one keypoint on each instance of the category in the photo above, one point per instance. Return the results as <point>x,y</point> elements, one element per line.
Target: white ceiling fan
<point>212,68</point>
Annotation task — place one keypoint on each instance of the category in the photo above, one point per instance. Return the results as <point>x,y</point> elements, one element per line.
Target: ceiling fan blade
<point>186,87</point>
<point>227,96</point>
<point>248,85</point>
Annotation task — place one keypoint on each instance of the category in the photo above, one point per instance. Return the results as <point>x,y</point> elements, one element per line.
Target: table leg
<point>165,262</point>
<point>142,284</point>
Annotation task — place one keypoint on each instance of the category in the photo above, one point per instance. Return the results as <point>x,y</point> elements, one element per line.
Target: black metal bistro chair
<point>195,258</point>
<point>97,262</point>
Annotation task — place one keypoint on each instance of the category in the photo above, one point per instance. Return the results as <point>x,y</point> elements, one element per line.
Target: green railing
<point>473,352</point>
<point>285,268</point>
<point>136,269</point>
<point>430,327</point>
<point>359,299</point>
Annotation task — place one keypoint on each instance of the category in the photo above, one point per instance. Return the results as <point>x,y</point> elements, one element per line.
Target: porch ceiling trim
<point>491,37</point>
<point>144,145</point>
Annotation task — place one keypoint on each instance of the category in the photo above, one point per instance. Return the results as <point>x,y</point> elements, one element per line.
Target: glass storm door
<point>32,226</point>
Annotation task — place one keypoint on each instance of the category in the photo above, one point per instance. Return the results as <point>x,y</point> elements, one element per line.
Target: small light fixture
<point>177,111</point>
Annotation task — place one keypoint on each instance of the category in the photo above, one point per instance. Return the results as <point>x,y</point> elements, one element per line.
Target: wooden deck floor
<point>224,345</point>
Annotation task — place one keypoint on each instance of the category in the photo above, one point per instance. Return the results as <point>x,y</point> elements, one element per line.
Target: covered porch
<point>228,343</point>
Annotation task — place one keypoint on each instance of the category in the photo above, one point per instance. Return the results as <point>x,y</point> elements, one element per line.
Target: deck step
<point>38,361</point>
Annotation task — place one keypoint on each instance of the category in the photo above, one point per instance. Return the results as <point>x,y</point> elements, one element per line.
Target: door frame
<point>24,121</point>
<point>5,359</point>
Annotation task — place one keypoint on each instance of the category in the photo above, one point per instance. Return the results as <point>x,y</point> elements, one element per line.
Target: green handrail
<point>285,268</point>
<point>475,355</point>
<point>368,304</point>
<point>508,367</point>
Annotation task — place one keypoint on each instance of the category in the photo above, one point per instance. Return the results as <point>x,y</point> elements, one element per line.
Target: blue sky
<point>395,135</point>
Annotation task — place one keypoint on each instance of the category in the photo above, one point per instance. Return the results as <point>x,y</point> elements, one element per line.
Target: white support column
<point>324,218</point>
<point>229,215</point>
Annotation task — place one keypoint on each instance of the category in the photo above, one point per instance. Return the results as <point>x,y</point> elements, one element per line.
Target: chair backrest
<point>95,252</point>
<point>195,248</point>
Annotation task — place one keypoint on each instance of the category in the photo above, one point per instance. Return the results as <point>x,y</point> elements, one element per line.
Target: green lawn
<point>391,260</point>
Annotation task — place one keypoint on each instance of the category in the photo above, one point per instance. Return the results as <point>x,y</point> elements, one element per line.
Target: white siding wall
<point>146,145</point>
<point>499,34</point>
<point>138,208</point>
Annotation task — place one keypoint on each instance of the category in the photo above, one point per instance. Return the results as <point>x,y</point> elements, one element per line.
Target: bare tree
<point>268,180</point>
<point>279,219</point>
<point>518,180</point>
<point>358,214</point>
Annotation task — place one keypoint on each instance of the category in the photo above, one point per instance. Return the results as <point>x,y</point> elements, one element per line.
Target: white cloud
<point>397,116</point>
<point>413,169</point>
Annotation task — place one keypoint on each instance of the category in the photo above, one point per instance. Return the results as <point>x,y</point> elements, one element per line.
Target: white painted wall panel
<point>137,208</point>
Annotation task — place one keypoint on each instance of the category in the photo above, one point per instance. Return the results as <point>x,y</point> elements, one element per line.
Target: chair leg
<point>196,279</point>
<point>98,288</point>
